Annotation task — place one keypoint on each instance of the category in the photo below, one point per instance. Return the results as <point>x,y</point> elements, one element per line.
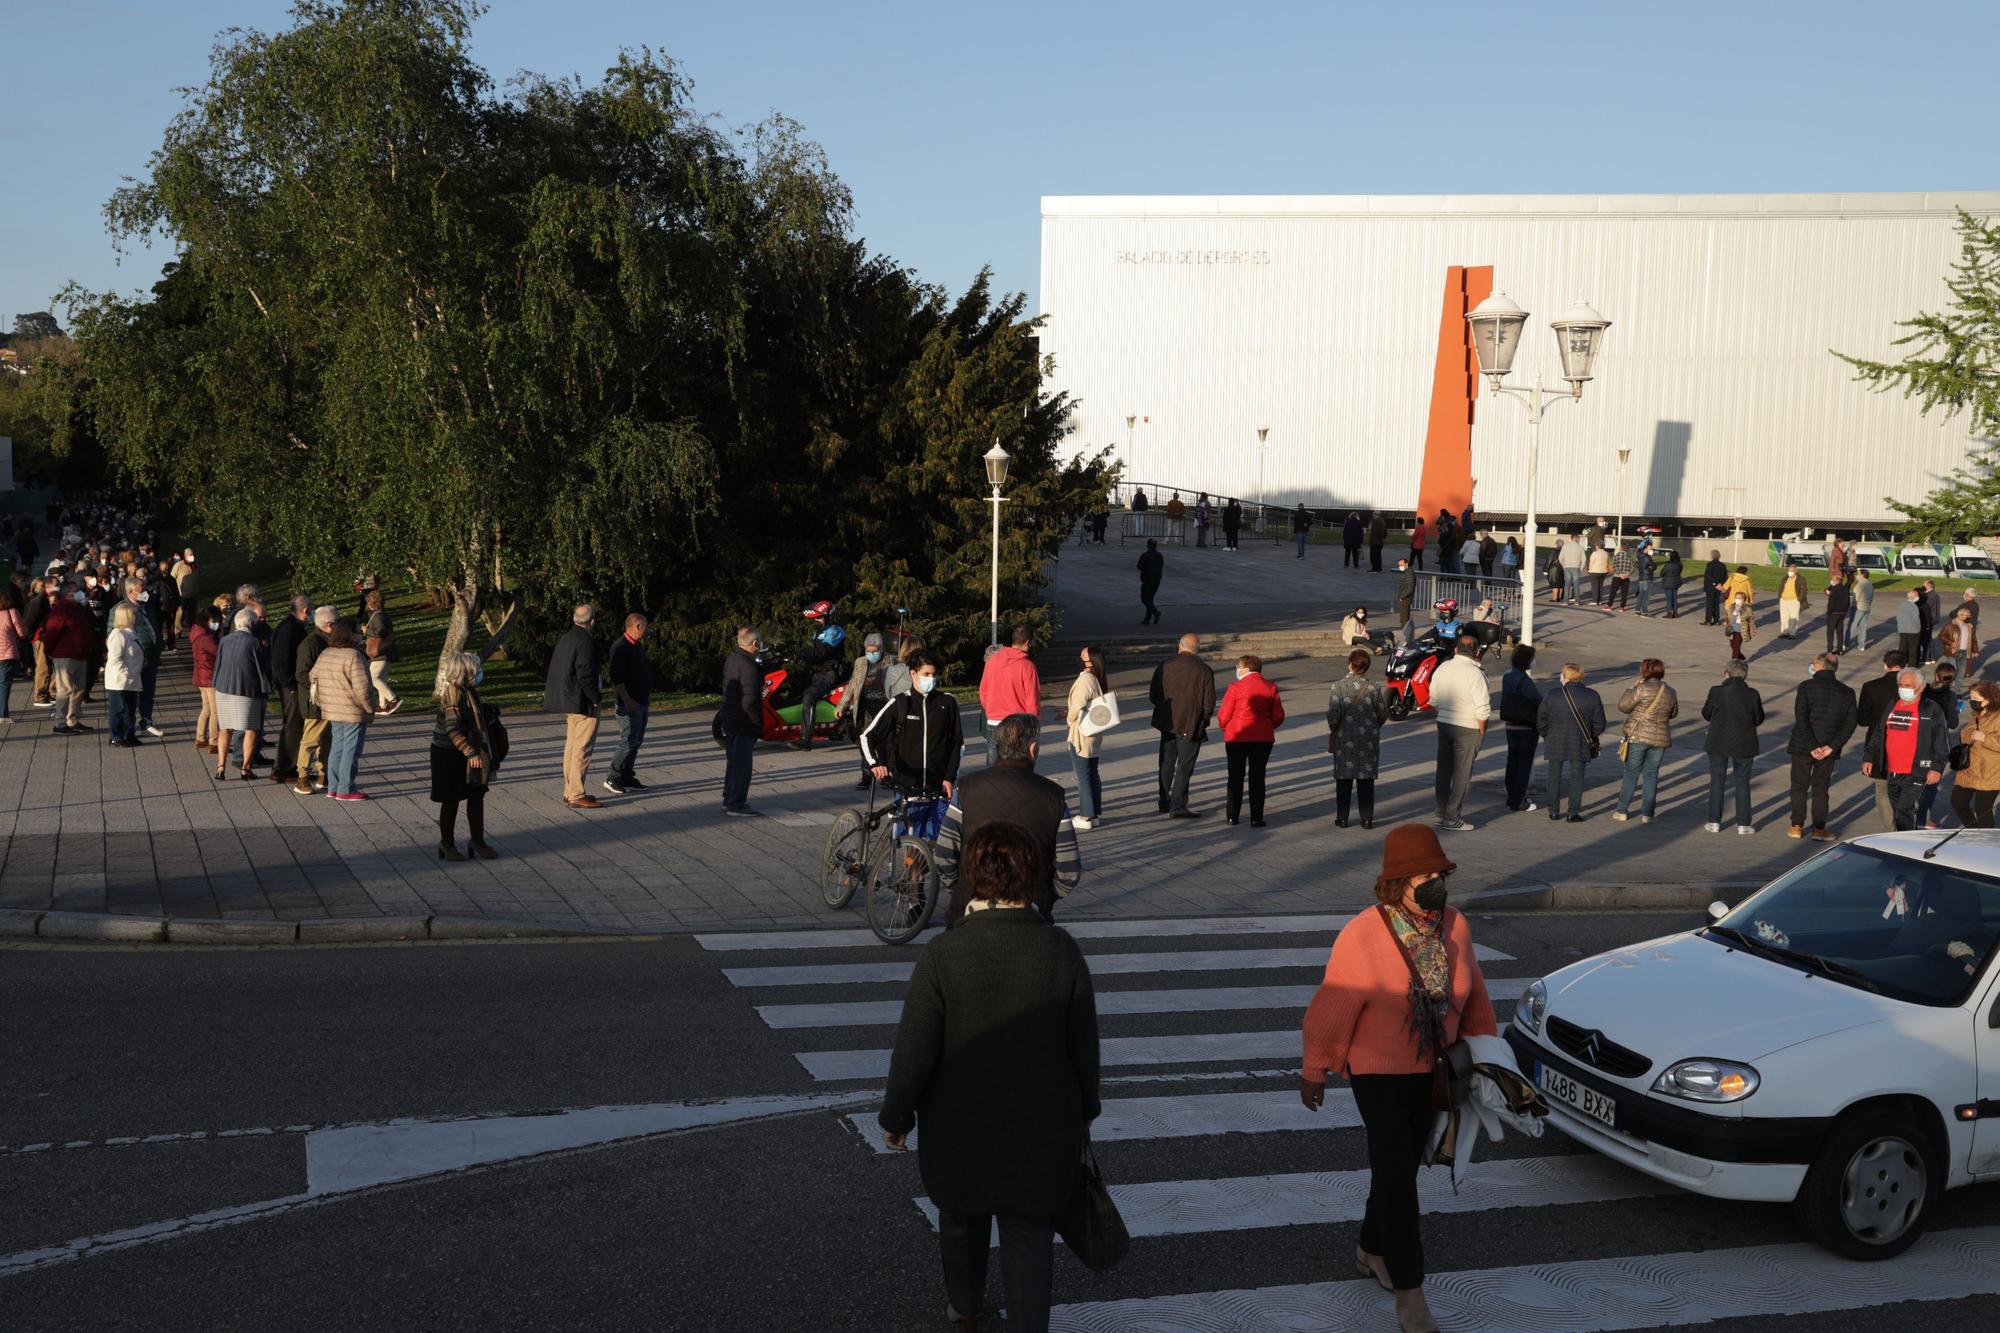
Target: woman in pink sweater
<point>1381,1020</point>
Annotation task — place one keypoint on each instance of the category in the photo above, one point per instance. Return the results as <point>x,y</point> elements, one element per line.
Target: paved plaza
<point>151,833</point>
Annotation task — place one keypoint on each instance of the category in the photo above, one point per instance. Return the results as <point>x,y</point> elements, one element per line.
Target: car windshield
<point>1916,930</point>
<point>1871,560</point>
<point>1978,562</point>
<point>1922,562</point>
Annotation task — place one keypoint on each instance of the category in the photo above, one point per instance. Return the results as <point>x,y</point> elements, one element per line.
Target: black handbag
<point>1961,757</point>
<point>496,732</point>
<point>1089,1223</point>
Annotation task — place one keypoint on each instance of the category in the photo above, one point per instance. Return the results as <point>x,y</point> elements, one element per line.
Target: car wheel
<point>1866,1193</point>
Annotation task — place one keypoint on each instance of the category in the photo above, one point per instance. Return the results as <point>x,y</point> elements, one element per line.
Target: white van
<point>1871,556</point>
<point>1806,555</point>
<point>1919,560</point>
<point>1968,562</point>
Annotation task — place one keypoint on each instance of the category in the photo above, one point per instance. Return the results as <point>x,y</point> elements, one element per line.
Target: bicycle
<point>890,851</point>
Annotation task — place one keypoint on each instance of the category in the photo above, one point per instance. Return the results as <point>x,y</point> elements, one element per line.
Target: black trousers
<point>1711,607</point>
<point>1810,778</point>
<point>1396,1111</point>
<point>1027,1266</point>
<point>1351,555</point>
<point>1344,789</point>
<point>1905,792</point>
<point>1246,757</point>
<point>1521,743</point>
<point>1416,558</point>
<point>1146,591</point>
<point>1836,633</point>
<point>287,765</point>
<point>1913,648</point>
<point>1375,559</point>
<point>1177,756</point>
<point>1974,808</point>
<point>1166,771</point>
<point>475,818</point>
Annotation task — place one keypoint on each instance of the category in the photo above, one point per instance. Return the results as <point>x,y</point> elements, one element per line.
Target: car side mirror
<point>1718,910</point>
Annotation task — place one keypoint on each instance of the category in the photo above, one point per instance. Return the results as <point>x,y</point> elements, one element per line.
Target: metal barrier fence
<point>1469,590</point>
<point>1156,525</point>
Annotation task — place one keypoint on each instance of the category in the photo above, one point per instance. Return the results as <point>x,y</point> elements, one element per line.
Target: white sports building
<point>1336,323</point>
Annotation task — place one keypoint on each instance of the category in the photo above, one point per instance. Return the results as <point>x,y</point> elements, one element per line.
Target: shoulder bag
<point>1589,737</point>
<point>1451,1075</point>
<point>1625,740</point>
<point>1089,1223</point>
<point>1100,716</point>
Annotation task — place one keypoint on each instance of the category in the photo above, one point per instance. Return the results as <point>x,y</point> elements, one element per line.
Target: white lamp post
<point>1496,335</point>
<point>1262,433</point>
<point>1624,457</point>
<point>996,461</point>
<point>1131,462</point>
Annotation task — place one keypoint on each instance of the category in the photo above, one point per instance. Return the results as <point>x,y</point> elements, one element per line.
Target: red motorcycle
<point>1408,677</point>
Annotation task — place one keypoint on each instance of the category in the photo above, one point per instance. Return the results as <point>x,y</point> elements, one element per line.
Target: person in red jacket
<point>204,636</point>
<point>1009,685</point>
<point>67,638</point>
<point>1251,714</point>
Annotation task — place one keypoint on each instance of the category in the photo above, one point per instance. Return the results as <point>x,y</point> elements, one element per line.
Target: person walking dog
<point>1402,984</point>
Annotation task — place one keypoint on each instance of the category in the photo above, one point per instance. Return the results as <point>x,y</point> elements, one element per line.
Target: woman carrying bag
<point>1648,707</point>
<point>1402,987</point>
<point>1569,721</point>
<point>1356,708</point>
<point>996,1061</point>
<point>1091,684</point>
<point>1974,787</point>
<point>463,761</point>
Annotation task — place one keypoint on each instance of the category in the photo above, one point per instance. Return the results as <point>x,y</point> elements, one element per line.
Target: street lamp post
<point>1624,457</point>
<point>996,461</point>
<point>1131,462</point>
<point>1262,433</point>
<point>1496,335</point>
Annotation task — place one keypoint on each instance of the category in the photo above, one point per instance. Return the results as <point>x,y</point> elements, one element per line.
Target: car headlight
<point>1707,1081</point>
<point>1533,1004</point>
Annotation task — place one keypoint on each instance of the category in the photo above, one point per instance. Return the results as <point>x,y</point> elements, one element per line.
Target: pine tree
<point>1953,366</point>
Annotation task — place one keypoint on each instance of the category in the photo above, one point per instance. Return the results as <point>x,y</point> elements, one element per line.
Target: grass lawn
<point>510,685</point>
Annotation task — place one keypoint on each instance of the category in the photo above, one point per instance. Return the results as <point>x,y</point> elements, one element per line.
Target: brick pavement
<point>87,828</point>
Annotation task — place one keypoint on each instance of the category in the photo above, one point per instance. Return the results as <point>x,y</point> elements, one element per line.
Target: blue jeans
<point>343,757</point>
<point>9,669</point>
<point>1558,768</point>
<point>1718,765</point>
<point>736,772</point>
<point>631,735</point>
<point>1642,764</point>
<point>1572,583</point>
<point>1673,595</point>
<point>120,706</point>
<point>1302,543</point>
<point>1089,786</point>
<point>1645,588</point>
<point>1857,629</point>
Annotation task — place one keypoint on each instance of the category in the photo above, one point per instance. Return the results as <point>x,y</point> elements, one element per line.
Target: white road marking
<point>1267,1112</point>
<point>1247,1203</point>
<point>867,1013</point>
<point>1101,965</point>
<point>1629,1292</point>
<point>1175,1050</point>
<point>1176,927</point>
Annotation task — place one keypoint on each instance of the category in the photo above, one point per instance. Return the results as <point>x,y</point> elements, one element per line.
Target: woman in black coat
<point>996,1058</point>
<point>465,756</point>
<point>1570,721</point>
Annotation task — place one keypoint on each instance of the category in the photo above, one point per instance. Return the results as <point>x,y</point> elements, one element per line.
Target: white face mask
<point>1241,674</point>
<point>1905,693</point>
<point>925,684</point>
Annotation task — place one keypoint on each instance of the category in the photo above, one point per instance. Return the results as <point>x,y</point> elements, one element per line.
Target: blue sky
<point>950,120</point>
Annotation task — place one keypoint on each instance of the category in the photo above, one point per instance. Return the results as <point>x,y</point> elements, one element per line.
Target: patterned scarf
<point>1422,933</point>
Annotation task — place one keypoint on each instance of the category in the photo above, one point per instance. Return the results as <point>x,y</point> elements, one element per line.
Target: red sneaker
<point>352,796</point>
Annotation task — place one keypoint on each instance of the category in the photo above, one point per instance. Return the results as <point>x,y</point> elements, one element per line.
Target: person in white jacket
<point>1463,702</point>
<point>124,660</point>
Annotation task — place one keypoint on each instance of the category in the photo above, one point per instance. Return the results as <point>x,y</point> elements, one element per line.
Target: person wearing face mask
<point>915,740</point>
<point>1910,746</point>
<point>1091,683</point>
<point>1250,716</point>
<point>1354,631</point>
<point>1823,715</point>
<point>1011,792</point>
<point>1974,787</point>
<point>204,637</point>
<point>1402,984</point>
<point>866,691</point>
<point>313,731</point>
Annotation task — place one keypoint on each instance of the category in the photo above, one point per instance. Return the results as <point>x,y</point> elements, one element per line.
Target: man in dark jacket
<point>1877,697</point>
<point>1351,533</point>
<point>631,676</point>
<point>1011,792</point>
<point>1184,688</point>
<point>1910,746</point>
<point>1302,526</point>
<point>574,690</point>
<point>1839,601</point>
<point>1378,534</point>
<point>1823,719</point>
<point>1714,575</point>
<point>1406,596</point>
<point>286,636</point>
<point>740,721</point>
<point>916,740</point>
<point>1734,712</point>
<point>1152,567</point>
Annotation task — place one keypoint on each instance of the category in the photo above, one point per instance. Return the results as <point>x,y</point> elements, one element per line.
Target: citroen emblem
<point>1590,1047</point>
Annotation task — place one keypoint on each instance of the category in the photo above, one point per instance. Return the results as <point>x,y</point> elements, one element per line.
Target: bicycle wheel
<point>902,891</point>
<point>843,865</point>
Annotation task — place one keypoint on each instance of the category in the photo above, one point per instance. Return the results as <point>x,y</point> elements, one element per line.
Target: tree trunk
<point>466,591</point>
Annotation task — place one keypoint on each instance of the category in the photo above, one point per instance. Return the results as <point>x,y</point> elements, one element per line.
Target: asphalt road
<point>781,1216</point>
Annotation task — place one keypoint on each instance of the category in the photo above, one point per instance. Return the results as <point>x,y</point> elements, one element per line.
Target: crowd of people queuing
<point>109,605</point>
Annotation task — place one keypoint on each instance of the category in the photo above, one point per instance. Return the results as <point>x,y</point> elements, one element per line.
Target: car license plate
<point>1573,1094</point>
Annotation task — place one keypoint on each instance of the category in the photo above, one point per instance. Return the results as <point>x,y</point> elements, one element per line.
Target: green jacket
<point>1406,586</point>
<point>996,1065</point>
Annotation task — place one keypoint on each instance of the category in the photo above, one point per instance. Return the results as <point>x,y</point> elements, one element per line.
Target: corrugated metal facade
<point>1318,317</point>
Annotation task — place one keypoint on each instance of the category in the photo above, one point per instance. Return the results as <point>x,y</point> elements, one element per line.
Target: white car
<point>1833,1043</point>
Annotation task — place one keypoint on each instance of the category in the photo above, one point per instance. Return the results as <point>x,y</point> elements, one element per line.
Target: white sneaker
<point>1645,819</point>
<point>1529,806</point>
<point>150,729</point>
<point>1617,816</point>
<point>1712,828</point>
<point>1745,829</point>
<point>1083,822</point>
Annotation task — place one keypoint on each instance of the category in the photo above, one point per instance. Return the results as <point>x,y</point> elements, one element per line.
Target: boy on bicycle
<point>914,740</point>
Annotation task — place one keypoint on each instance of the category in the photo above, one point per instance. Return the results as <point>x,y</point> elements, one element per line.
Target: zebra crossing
<point>1199,1024</point>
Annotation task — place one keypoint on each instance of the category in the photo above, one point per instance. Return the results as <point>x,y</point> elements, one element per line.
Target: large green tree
<point>556,343</point>
<point>1953,367</point>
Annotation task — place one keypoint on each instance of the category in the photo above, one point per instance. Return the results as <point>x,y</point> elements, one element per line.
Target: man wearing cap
<point>866,692</point>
